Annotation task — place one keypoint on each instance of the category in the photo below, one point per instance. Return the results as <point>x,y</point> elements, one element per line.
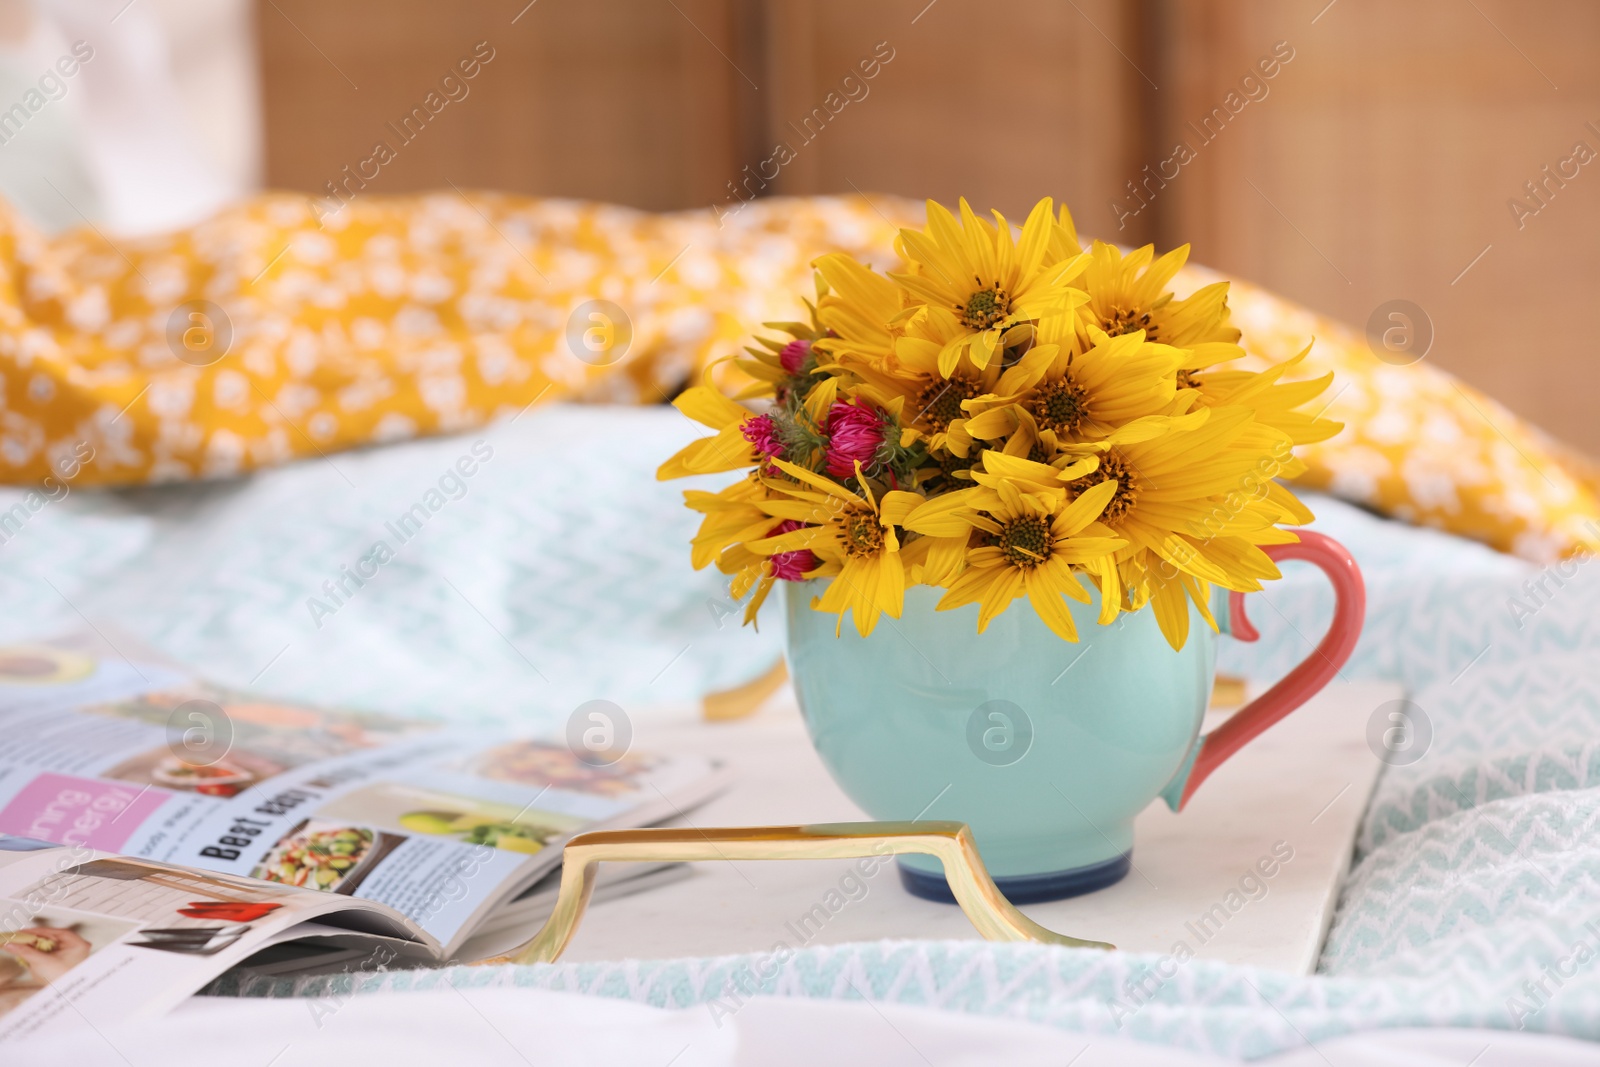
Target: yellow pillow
<point>1418,443</point>
<point>267,334</point>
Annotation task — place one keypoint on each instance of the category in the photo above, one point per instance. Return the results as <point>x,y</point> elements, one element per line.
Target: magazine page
<point>143,760</point>
<point>88,936</point>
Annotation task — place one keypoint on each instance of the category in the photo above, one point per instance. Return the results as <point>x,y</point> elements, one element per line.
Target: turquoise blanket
<point>561,574</point>
<point>556,573</point>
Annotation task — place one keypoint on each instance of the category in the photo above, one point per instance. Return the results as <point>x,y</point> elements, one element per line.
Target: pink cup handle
<point>1300,684</point>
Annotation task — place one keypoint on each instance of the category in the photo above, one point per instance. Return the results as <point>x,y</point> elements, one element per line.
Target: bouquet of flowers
<point>1010,416</point>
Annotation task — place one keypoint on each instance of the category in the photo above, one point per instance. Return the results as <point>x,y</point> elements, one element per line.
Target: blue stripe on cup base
<point>1027,888</point>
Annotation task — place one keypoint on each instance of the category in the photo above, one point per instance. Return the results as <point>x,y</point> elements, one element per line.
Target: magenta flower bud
<point>761,432</point>
<point>791,566</point>
<point>793,356</point>
<point>854,435</point>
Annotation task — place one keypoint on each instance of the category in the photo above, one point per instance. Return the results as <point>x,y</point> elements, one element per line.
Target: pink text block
<point>79,811</point>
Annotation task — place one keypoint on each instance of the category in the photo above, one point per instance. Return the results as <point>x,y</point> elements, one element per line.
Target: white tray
<point>1302,786</point>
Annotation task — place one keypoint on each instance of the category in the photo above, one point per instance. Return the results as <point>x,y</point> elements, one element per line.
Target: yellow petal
<point>706,405</point>
<point>897,505</point>
<point>1047,602</point>
<point>1086,508</point>
<point>831,488</point>
<point>1172,613</point>
<point>993,424</point>
<point>1005,587</point>
<point>942,516</point>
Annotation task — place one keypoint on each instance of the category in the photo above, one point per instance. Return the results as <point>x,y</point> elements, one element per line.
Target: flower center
<point>1025,542</point>
<point>1188,379</point>
<point>1123,320</point>
<point>985,308</point>
<point>940,402</point>
<point>1059,405</point>
<point>863,536</point>
<point>1127,494</point>
<point>950,463</point>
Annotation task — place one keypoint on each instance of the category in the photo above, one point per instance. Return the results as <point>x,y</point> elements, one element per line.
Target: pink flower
<point>854,434</point>
<point>794,355</point>
<point>760,431</point>
<point>791,566</point>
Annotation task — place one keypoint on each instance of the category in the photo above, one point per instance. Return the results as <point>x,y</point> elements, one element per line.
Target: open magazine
<point>156,831</point>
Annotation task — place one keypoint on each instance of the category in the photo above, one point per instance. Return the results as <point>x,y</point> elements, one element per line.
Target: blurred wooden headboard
<point>1379,161</point>
<point>662,103</point>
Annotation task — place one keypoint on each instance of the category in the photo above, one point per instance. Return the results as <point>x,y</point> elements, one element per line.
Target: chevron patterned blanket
<point>1474,898</point>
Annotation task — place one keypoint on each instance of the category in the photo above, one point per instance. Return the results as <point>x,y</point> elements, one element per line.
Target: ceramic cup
<point>1046,748</point>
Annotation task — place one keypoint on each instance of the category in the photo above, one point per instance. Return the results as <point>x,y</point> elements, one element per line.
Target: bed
<point>1476,876</point>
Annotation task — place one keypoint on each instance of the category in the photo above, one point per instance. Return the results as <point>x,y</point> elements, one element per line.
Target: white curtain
<point>158,127</point>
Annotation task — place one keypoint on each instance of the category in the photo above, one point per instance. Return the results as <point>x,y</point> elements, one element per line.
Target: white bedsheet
<point>518,1027</point>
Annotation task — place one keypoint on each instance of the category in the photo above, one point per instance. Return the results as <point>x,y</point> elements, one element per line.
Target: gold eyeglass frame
<point>951,843</point>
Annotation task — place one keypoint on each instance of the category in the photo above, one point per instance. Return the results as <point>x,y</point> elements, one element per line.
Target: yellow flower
<point>726,450</point>
<point>1060,395</point>
<point>731,517</point>
<point>1064,242</point>
<point>1061,420</point>
<point>1129,293</point>
<point>1026,540</point>
<point>1191,500</point>
<point>1226,538</point>
<point>861,307</point>
<point>853,537</point>
<point>1276,403</point>
<point>988,281</point>
<point>749,570</point>
<point>911,386</point>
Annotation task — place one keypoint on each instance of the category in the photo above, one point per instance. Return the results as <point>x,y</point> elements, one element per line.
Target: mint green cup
<point>1045,748</point>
